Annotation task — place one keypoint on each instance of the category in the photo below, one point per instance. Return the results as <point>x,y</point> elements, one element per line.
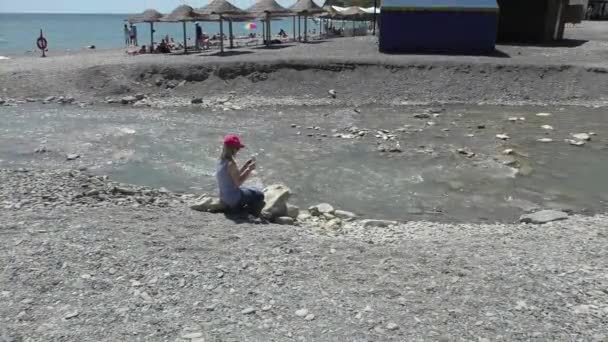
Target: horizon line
<point>46,12</point>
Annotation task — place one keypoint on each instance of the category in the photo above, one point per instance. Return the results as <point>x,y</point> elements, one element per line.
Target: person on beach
<point>230,179</point>
<point>199,36</point>
<point>133,35</point>
<point>127,35</point>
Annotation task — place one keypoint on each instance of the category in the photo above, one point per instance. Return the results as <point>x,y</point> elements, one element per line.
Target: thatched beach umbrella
<point>269,8</point>
<point>224,9</point>
<point>306,8</point>
<point>148,16</point>
<point>185,14</point>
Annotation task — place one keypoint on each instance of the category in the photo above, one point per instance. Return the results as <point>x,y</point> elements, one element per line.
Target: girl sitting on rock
<point>230,178</point>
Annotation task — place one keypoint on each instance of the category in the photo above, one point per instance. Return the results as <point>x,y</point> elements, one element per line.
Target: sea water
<point>72,32</point>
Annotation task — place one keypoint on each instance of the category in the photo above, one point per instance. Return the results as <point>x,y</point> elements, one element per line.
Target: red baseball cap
<point>232,140</point>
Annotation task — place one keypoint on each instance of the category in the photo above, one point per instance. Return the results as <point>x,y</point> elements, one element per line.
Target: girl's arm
<point>238,177</point>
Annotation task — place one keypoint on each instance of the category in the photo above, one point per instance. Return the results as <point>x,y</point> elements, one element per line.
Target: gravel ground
<point>105,270</point>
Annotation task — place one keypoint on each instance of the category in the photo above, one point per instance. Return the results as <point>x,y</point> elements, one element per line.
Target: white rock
<point>502,136</point>
<point>543,114</point>
<point>301,312</point>
<point>309,317</point>
<point>333,224</point>
<point>276,197</point>
<point>320,209</point>
<point>192,335</point>
<point>345,215</point>
<point>545,140</point>
<point>303,216</point>
<point>581,136</point>
<point>391,326</point>
<point>248,311</point>
<point>378,223</point>
<point>208,204</point>
<point>70,315</point>
<point>513,119</point>
<point>575,142</point>
<point>547,127</point>
<point>544,216</point>
<point>332,93</point>
<point>72,156</point>
<point>508,151</point>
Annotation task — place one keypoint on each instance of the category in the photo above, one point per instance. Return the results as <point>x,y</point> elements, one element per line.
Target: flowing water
<point>177,149</point>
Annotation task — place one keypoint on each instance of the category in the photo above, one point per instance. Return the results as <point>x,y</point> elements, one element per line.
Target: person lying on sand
<point>230,178</point>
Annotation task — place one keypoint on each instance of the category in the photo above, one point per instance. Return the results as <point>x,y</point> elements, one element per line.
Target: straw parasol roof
<point>352,12</point>
<point>148,16</point>
<point>270,7</point>
<point>306,6</point>
<point>221,7</point>
<point>185,13</point>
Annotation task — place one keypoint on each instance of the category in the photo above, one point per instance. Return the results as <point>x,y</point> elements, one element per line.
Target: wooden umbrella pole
<point>320,28</point>
<point>185,41</point>
<point>151,37</point>
<point>305,27</point>
<point>299,29</point>
<point>230,33</point>
<point>264,31</point>
<point>294,28</point>
<point>221,35</point>
<point>268,28</point>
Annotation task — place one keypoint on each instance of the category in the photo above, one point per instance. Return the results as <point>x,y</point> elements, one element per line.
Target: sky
<point>108,6</point>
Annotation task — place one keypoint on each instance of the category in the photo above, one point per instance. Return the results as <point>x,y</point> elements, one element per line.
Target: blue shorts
<point>252,201</point>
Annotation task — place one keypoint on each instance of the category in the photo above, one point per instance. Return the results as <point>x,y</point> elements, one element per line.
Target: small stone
<point>71,315</point>
<point>197,100</point>
<point>128,99</point>
<point>321,209</point>
<point>49,98</point>
<point>309,317</point>
<point>481,126</point>
<point>575,142</point>
<point>293,211</point>
<point>159,82</point>
<point>301,313</point>
<point>581,136</point>
<point>513,119</point>
<point>508,151</point>
<point>294,126</point>
<point>248,311</point>
<point>285,220</point>
<point>140,97</point>
<point>345,215</point>
<point>502,136</point>
<point>332,93</point>
<point>545,140</point>
<point>266,307</point>
<point>543,114</point>
<point>547,127</point>
<point>544,216</point>
<point>72,156</point>
<point>391,326</point>
<point>378,223</point>
<point>422,115</point>
<point>192,335</point>
<point>333,224</point>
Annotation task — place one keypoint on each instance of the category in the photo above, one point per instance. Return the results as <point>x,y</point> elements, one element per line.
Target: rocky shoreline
<point>85,256</point>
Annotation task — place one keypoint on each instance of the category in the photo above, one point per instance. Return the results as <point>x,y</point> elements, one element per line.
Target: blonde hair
<point>228,153</point>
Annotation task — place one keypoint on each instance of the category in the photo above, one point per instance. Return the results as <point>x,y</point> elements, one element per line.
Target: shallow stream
<point>429,179</point>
